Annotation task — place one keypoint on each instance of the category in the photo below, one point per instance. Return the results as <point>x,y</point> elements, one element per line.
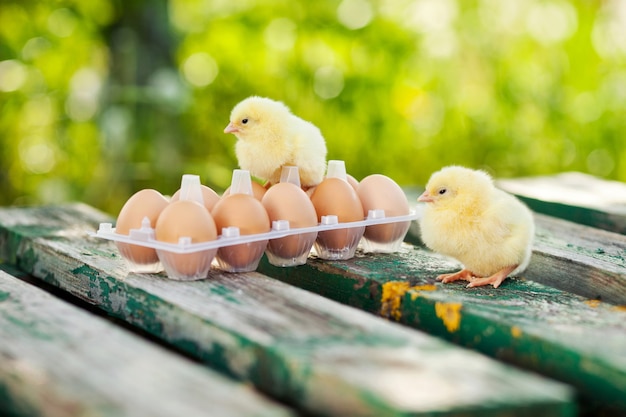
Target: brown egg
<point>286,201</point>
<point>145,203</point>
<point>248,214</point>
<point>352,181</point>
<point>381,192</point>
<point>186,219</point>
<point>258,191</point>
<point>209,197</point>
<point>334,196</point>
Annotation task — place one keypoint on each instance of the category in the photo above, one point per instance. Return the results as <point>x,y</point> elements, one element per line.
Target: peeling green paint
<point>523,304</point>
<point>27,258</point>
<point>4,296</point>
<point>33,328</point>
<point>87,271</point>
<point>226,293</point>
<point>333,283</point>
<point>275,359</point>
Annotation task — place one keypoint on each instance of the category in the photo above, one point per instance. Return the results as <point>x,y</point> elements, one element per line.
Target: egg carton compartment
<point>290,250</point>
<point>243,257</point>
<point>384,237</point>
<point>338,244</point>
<point>143,265</point>
<point>187,266</point>
<point>233,252</point>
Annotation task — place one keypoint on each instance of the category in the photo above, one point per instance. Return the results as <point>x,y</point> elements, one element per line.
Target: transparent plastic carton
<point>280,229</point>
<point>185,260</point>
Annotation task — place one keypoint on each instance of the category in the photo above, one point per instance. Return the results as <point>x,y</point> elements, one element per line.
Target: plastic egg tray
<point>214,252</point>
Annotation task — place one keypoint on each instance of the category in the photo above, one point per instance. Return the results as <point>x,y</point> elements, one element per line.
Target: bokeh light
<point>12,75</point>
<point>99,99</point>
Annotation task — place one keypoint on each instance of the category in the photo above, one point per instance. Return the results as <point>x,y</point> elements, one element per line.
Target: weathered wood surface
<point>297,346</point>
<point>58,360</point>
<point>561,335</point>
<point>574,196</point>
<point>579,259</point>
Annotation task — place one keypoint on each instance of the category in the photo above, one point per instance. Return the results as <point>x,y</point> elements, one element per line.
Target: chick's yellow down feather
<point>269,136</point>
<point>466,217</point>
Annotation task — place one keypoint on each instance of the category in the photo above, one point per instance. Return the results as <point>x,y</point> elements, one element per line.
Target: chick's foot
<point>463,274</point>
<point>495,279</point>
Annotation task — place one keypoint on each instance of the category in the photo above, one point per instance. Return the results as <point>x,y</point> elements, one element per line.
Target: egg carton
<point>330,239</point>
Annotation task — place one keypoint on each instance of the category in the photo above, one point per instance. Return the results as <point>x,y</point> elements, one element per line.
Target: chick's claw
<point>463,274</point>
<point>495,279</point>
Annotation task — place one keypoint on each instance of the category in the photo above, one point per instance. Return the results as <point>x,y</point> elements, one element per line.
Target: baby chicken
<point>466,217</point>
<point>270,136</point>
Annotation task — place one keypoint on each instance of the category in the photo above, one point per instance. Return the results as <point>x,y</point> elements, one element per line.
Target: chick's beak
<point>231,129</point>
<point>425,198</point>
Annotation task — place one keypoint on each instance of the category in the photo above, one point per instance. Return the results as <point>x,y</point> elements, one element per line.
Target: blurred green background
<point>101,98</point>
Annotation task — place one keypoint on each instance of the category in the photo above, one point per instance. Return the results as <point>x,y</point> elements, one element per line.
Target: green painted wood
<point>561,335</point>
<point>574,196</point>
<point>58,360</point>
<point>299,347</point>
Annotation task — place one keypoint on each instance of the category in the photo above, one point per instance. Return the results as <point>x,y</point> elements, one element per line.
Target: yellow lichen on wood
<point>620,308</point>
<point>593,303</point>
<point>393,292</point>
<point>516,332</point>
<point>392,298</point>
<point>450,314</point>
<point>415,291</point>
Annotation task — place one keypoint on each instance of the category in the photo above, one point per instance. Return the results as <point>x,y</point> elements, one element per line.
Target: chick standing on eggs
<point>466,217</point>
<point>270,137</point>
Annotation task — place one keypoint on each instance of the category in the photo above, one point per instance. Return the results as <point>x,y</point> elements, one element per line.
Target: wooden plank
<point>58,360</point>
<point>558,334</point>
<point>574,196</point>
<point>579,259</point>
<point>302,348</point>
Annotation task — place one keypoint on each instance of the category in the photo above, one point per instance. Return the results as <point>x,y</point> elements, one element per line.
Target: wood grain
<point>558,334</point>
<point>297,346</point>
<point>574,196</point>
<point>579,259</point>
<point>57,360</point>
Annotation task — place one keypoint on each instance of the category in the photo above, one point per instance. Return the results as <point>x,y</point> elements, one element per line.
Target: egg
<point>248,214</point>
<point>185,218</point>
<point>352,181</point>
<point>287,201</point>
<point>334,196</point>
<point>381,192</point>
<point>258,191</point>
<point>144,203</point>
<point>209,197</point>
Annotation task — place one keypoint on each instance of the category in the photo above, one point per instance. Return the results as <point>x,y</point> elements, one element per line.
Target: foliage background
<point>101,98</point>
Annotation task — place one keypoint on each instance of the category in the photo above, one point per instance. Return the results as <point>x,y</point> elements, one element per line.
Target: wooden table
<point>374,335</point>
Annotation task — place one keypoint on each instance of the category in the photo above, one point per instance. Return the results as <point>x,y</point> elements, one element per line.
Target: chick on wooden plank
<point>270,137</point>
<point>466,217</point>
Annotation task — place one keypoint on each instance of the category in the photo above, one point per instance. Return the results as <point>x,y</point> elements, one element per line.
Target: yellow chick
<point>270,136</point>
<point>466,217</point>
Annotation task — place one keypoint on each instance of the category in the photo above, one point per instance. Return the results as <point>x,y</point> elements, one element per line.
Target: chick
<point>270,136</point>
<point>466,217</point>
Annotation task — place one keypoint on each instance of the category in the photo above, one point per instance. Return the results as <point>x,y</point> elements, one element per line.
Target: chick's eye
<point>244,121</point>
<point>442,191</point>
